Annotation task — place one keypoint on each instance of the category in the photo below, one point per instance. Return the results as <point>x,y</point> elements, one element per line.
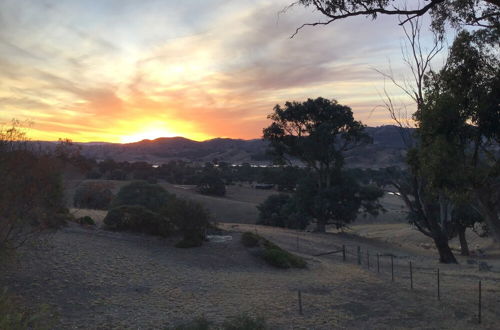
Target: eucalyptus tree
<point>457,13</point>
<point>317,132</point>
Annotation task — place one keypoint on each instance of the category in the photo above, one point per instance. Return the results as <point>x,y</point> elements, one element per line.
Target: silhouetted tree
<point>31,196</point>
<point>316,132</point>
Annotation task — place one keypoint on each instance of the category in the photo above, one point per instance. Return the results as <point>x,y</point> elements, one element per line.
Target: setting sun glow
<point>125,73</point>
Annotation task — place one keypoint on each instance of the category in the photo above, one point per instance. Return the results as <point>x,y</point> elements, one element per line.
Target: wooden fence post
<point>411,276</point>
<point>300,302</point>
<point>479,304</point>
<point>343,253</point>
<point>359,255</point>
<point>378,262</point>
<point>438,286</point>
<point>368,259</point>
<point>392,268</point>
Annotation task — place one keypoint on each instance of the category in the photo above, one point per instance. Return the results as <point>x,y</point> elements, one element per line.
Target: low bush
<point>280,258</point>
<point>211,184</point>
<point>244,322</point>
<point>281,210</point>
<point>272,253</point>
<point>151,196</point>
<point>14,316</point>
<point>190,218</point>
<point>199,323</point>
<point>117,174</point>
<point>250,239</point>
<point>93,195</point>
<point>86,220</point>
<point>137,218</point>
<point>239,322</point>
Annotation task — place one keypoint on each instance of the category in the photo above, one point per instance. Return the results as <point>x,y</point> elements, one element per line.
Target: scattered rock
<point>471,262</point>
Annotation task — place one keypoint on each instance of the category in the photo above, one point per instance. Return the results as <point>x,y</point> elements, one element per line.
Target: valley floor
<point>97,279</point>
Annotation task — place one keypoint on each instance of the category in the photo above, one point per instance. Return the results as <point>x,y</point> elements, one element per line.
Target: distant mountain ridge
<point>387,149</point>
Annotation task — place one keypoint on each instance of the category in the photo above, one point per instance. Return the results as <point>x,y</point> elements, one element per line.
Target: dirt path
<point>101,280</point>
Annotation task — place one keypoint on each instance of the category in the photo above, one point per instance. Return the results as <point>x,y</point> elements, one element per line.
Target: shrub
<point>150,196</point>
<point>93,195</point>
<point>272,211</point>
<point>250,239</point>
<point>282,259</point>
<point>239,322</point>
<point>93,174</point>
<point>199,323</point>
<point>13,315</point>
<point>31,195</point>
<point>244,322</point>
<point>211,184</point>
<point>137,218</point>
<point>190,218</point>
<point>86,220</point>
<point>117,174</point>
<point>281,210</point>
<point>272,253</point>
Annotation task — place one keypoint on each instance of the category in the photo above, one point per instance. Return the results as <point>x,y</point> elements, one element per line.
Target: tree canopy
<point>457,13</point>
<point>316,132</point>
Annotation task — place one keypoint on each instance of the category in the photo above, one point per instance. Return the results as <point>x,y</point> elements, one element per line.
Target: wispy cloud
<point>105,69</point>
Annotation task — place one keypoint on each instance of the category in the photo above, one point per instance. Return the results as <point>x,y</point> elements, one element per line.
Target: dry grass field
<point>102,280</point>
<point>96,279</point>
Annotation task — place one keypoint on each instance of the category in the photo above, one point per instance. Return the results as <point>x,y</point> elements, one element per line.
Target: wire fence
<point>424,279</point>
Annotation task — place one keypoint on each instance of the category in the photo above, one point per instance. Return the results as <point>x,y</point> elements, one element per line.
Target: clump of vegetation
<point>85,220</point>
<point>238,322</point>
<point>150,209</point>
<point>191,219</point>
<point>32,197</point>
<point>283,210</point>
<point>151,196</point>
<point>272,253</point>
<point>211,184</point>
<point>136,218</point>
<point>245,322</point>
<point>93,195</point>
<point>199,323</point>
<point>250,239</point>
<point>13,315</point>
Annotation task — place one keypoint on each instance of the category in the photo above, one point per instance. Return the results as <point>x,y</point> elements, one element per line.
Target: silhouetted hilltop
<point>387,149</point>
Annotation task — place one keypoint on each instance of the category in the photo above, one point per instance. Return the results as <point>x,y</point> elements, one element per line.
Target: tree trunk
<point>445,254</point>
<point>464,247</point>
<point>489,212</point>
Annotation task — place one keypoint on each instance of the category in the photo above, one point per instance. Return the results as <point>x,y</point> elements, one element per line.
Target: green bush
<point>86,220</point>
<point>117,174</point>
<point>190,218</point>
<point>280,258</point>
<point>93,195</point>
<point>191,242</point>
<point>281,210</point>
<point>239,322</point>
<point>150,196</point>
<point>199,323</point>
<point>250,239</point>
<point>244,322</point>
<point>272,253</point>
<point>211,184</point>
<point>14,316</point>
<point>137,218</point>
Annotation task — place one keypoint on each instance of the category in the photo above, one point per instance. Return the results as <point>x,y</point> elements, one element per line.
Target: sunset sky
<point>125,70</point>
